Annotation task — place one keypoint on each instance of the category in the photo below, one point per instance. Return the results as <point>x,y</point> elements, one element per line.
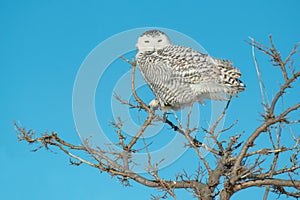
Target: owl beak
<point>154,48</point>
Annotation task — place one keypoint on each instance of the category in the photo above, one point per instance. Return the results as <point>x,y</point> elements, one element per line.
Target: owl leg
<point>154,104</point>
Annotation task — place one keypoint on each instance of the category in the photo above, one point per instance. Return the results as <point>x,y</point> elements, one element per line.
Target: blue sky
<point>42,46</point>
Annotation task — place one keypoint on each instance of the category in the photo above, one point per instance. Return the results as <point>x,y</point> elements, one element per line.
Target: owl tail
<point>229,77</point>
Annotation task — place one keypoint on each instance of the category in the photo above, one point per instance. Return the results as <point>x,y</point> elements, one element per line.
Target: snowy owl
<point>180,76</point>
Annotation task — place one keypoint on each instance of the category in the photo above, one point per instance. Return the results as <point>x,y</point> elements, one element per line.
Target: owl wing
<point>205,75</point>
<point>189,65</point>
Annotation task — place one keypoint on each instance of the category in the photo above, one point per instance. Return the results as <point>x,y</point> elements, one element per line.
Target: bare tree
<point>238,161</point>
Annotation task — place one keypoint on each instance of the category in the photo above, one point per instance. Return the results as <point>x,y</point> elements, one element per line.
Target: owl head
<point>152,40</point>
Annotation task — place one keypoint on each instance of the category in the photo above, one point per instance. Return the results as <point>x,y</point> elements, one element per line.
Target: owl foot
<point>154,104</point>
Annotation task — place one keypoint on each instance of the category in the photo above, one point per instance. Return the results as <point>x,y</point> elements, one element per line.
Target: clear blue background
<point>43,43</point>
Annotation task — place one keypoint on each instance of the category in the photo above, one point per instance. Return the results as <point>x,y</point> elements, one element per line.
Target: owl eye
<point>146,41</point>
<point>160,40</point>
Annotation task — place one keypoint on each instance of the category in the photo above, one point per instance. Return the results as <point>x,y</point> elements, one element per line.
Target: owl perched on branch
<point>180,76</point>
